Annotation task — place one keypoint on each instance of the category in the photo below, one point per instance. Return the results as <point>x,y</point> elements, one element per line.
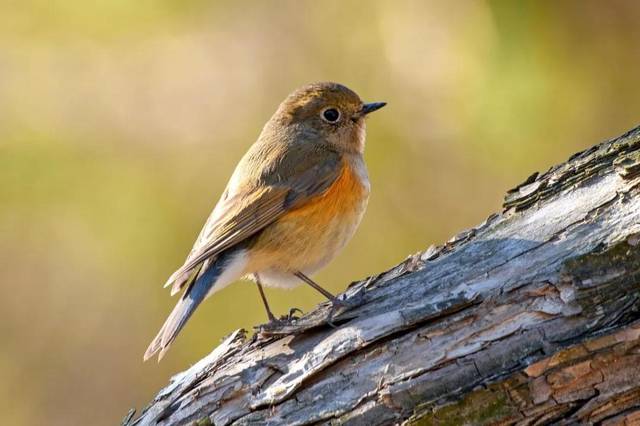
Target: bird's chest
<point>308,237</point>
<point>336,212</point>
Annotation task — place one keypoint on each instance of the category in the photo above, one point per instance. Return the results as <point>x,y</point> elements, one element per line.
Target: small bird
<point>294,200</point>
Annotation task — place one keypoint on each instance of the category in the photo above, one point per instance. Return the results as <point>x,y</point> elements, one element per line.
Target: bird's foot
<point>292,315</point>
<point>275,324</point>
<point>288,319</point>
<point>337,304</point>
<point>272,326</point>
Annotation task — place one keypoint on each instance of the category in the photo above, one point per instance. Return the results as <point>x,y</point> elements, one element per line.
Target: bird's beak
<point>373,106</point>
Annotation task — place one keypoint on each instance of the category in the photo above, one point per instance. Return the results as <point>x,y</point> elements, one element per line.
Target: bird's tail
<point>189,301</point>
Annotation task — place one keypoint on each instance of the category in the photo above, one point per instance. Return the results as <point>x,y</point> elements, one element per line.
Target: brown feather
<point>292,203</point>
<point>241,215</point>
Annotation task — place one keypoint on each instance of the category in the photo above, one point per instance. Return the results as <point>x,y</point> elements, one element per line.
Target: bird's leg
<point>335,302</point>
<point>316,286</point>
<point>264,300</point>
<point>272,318</point>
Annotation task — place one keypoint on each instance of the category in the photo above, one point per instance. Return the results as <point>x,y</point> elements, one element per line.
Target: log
<point>532,317</point>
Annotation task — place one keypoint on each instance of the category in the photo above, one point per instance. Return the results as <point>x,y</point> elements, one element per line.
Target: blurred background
<point>121,121</point>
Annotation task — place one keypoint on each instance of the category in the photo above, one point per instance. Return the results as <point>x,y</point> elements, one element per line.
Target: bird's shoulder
<point>283,162</point>
<point>281,172</point>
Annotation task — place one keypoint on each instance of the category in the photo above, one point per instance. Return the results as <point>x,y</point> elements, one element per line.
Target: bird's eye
<point>331,115</point>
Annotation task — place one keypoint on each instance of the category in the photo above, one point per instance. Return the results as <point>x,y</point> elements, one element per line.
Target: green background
<point>120,122</point>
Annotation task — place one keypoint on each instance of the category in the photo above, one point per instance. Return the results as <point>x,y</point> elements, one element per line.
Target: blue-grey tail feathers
<point>189,301</point>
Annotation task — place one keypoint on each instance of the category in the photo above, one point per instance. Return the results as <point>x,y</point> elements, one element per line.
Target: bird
<point>292,203</point>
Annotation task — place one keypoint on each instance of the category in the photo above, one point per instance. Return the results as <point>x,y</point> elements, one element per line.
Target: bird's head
<point>328,111</point>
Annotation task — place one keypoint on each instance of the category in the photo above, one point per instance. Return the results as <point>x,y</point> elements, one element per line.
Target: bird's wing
<point>239,216</point>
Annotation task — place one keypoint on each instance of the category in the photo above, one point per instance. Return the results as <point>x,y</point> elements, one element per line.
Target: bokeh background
<point>120,122</point>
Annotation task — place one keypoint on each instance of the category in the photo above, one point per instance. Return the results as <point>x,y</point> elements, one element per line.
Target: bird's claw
<point>292,316</point>
<point>277,323</point>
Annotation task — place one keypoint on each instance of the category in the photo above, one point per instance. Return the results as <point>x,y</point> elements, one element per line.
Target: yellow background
<point>120,122</point>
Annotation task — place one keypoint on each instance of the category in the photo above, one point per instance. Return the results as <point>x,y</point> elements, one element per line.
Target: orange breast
<point>343,195</point>
<point>308,237</point>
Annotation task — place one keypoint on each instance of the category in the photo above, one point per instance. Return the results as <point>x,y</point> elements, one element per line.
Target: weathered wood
<point>529,318</point>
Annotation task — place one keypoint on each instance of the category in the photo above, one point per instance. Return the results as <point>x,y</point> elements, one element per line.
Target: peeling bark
<point>532,317</point>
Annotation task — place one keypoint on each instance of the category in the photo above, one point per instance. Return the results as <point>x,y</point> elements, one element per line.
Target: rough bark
<point>532,317</point>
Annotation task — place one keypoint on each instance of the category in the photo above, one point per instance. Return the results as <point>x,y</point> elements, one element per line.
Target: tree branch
<point>532,317</point>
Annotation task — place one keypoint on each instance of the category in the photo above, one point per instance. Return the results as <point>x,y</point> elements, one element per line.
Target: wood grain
<point>532,317</point>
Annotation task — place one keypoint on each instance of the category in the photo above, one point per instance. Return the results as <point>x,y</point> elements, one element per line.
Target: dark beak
<point>373,106</point>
